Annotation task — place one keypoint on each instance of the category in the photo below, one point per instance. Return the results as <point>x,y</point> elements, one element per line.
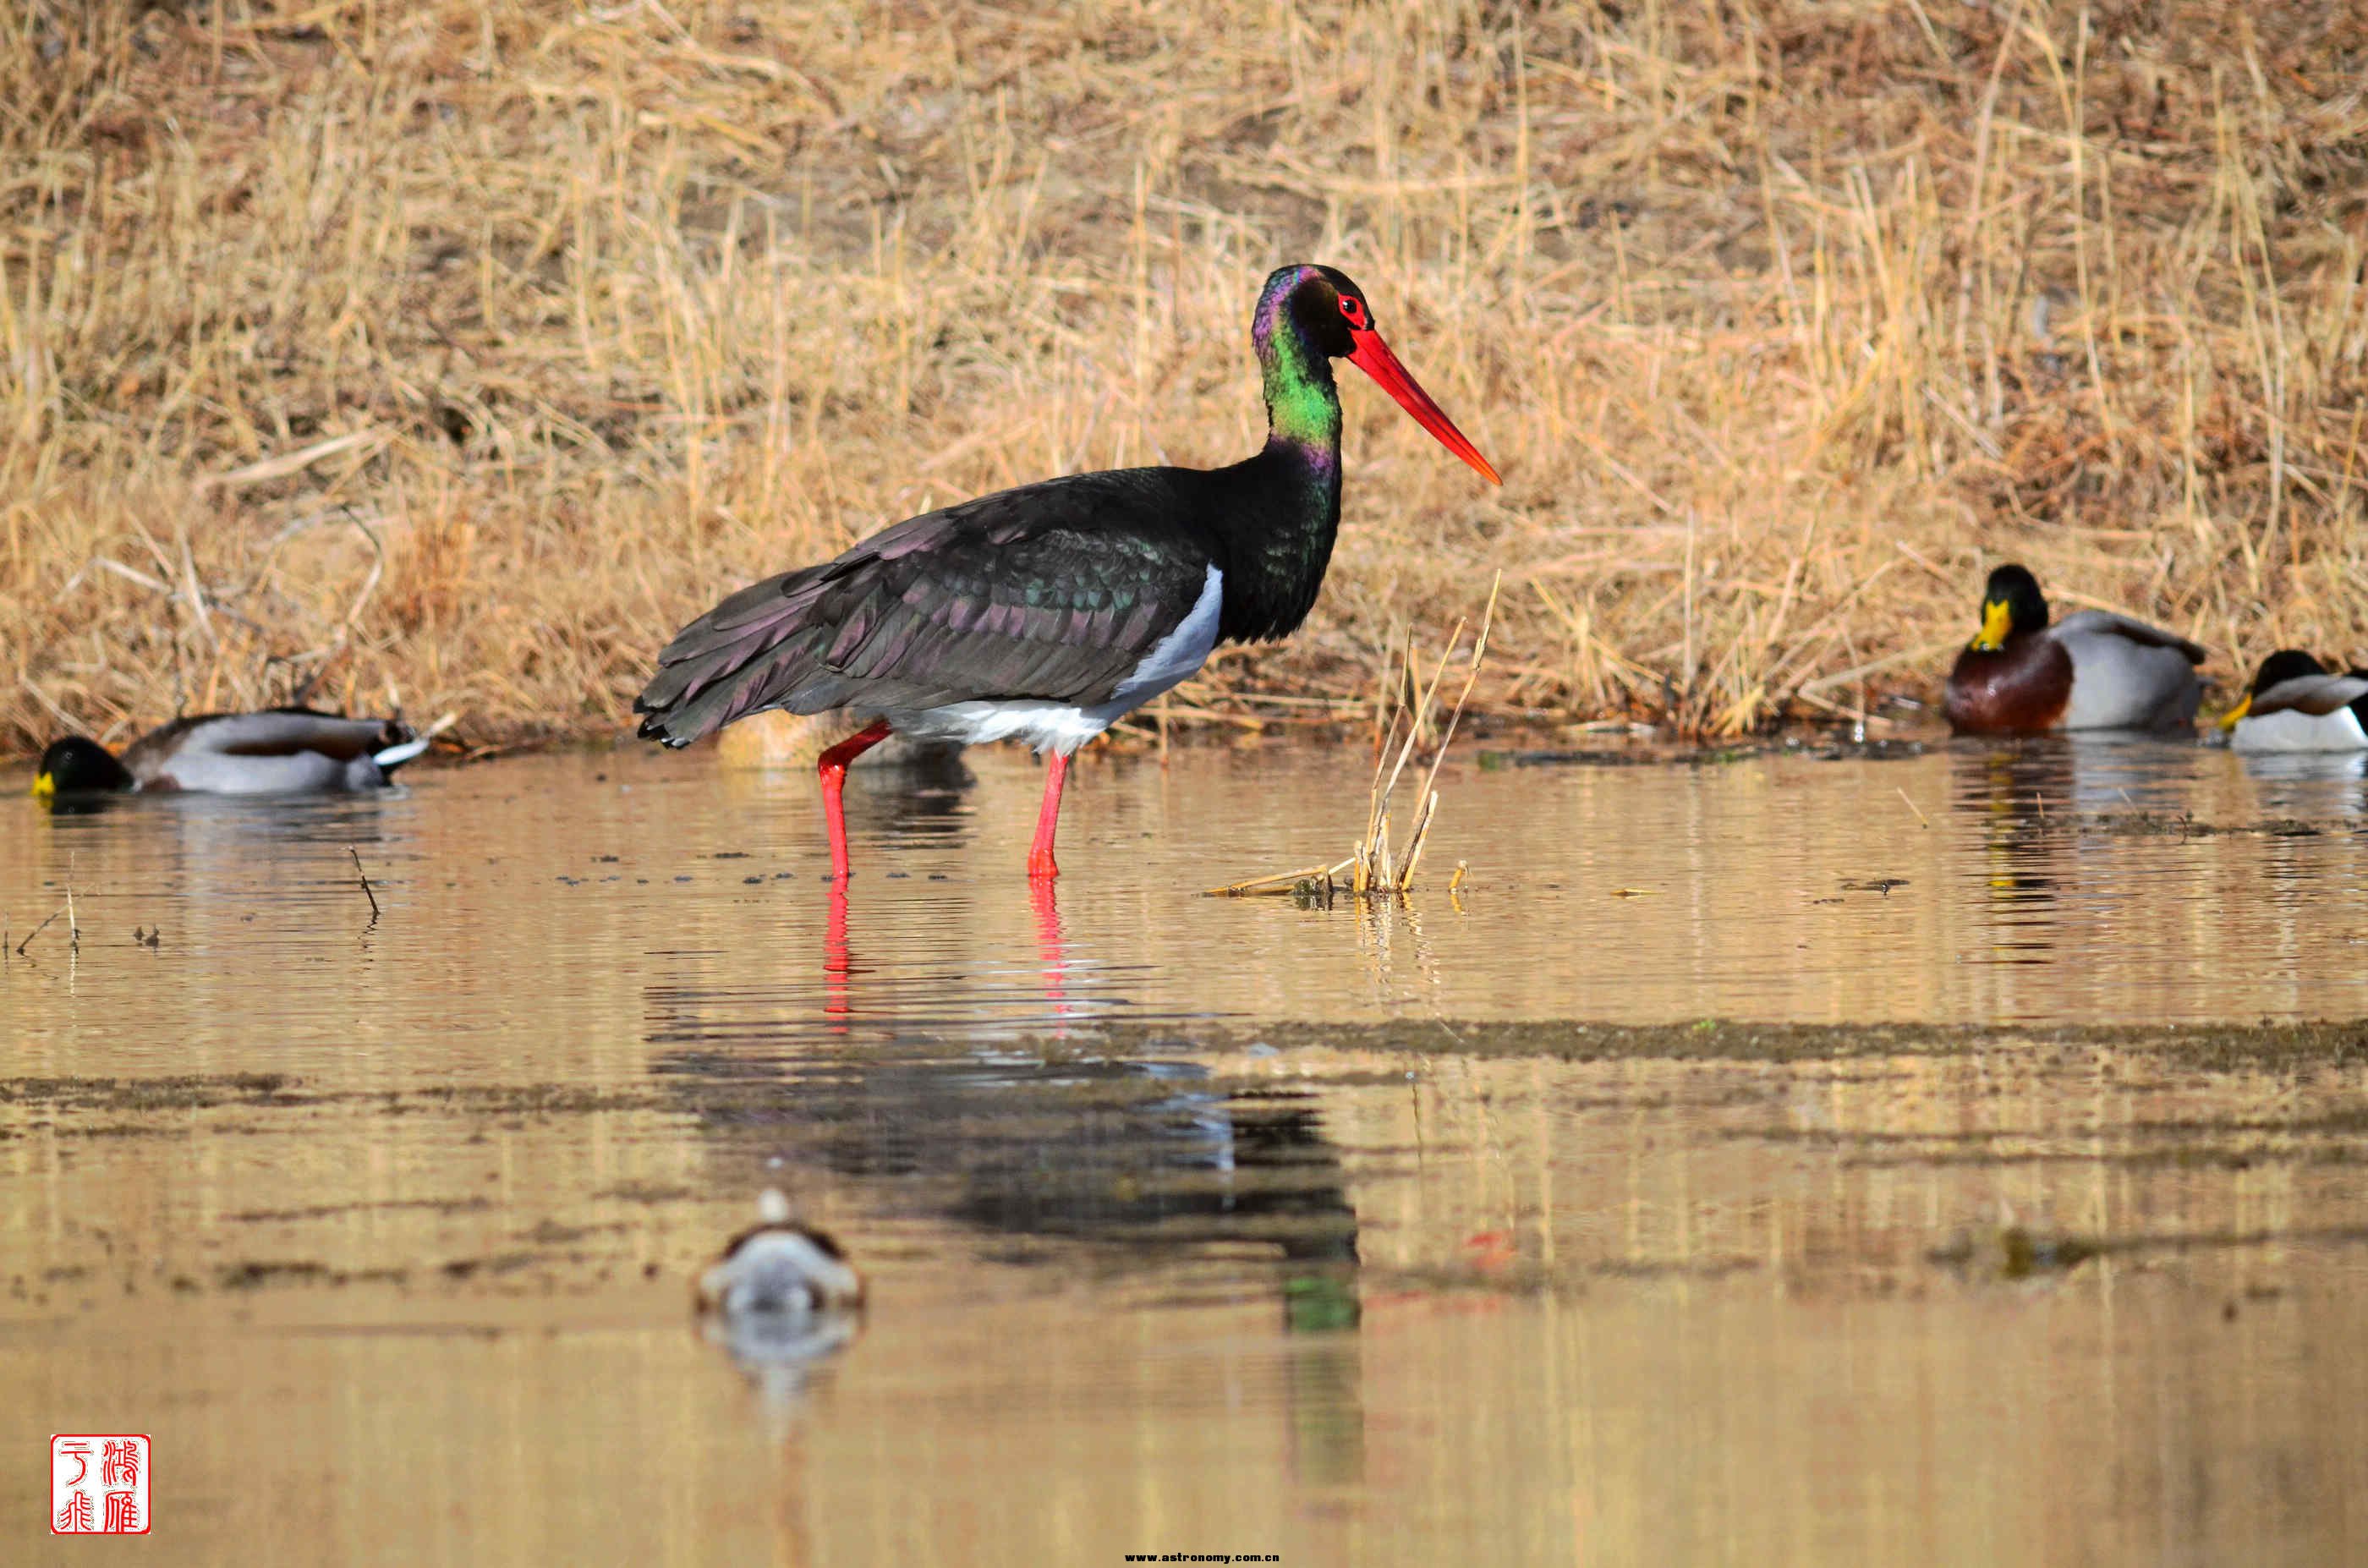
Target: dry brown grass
<point>450,354</point>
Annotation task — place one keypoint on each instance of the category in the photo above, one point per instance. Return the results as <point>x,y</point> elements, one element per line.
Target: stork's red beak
<point>1373,355</point>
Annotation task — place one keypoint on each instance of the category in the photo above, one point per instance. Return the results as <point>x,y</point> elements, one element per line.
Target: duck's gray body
<point>782,1300</point>
<point>2127,675</point>
<point>286,751</point>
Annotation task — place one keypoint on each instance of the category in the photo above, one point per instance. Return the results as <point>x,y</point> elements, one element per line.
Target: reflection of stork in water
<point>1048,1143</point>
<point>1145,1158</point>
<point>839,969</point>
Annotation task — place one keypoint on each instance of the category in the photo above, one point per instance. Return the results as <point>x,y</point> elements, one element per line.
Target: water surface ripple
<point>1813,1222</point>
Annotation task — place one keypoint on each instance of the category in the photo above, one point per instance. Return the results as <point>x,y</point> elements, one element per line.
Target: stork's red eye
<point>1354,308</point>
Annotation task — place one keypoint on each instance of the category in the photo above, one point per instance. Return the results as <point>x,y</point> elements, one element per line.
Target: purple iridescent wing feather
<point>1053,591</point>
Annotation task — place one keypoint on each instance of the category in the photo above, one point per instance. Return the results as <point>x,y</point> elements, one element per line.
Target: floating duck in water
<point>282,751</point>
<point>2092,670</point>
<point>781,1302</point>
<point>779,1269</point>
<point>2295,703</point>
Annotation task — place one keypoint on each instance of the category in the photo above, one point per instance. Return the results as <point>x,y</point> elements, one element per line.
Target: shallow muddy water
<point>1932,1155</point>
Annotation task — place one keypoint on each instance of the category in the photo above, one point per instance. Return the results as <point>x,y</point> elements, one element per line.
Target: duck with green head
<point>2025,674</point>
<point>280,751</point>
<point>2296,704</point>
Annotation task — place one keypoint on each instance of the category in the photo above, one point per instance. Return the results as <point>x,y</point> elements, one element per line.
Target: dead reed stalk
<point>1372,870</point>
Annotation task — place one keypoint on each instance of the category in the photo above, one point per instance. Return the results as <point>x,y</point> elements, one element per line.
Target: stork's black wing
<point>1053,591</point>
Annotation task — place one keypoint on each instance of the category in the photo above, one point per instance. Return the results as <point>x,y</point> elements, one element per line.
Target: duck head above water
<point>779,1267</point>
<point>2285,665</point>
<point>2011,604</point>
<point>79,766</point>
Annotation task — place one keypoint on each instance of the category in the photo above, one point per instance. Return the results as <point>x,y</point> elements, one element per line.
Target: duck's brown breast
<point>2020,688</point>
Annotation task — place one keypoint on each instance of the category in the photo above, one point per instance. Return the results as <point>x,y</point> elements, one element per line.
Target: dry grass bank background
<point>450,354</point>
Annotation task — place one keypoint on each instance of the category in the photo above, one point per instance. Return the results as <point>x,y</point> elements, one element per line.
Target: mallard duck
<point>2295,703</point>
<point>282,751</point>
<point>2092,670</point>
<point>777,1267</point>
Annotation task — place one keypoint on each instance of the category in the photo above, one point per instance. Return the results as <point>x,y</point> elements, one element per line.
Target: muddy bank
<point>2206,1046</point>
<point>715,1084</point>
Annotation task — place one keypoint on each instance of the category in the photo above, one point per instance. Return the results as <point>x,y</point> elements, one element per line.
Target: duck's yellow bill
<point>43,786</point>
<point>2228,720</point>
<point>1996,622</point>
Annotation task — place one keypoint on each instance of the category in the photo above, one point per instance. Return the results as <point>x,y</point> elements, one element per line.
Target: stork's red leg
<point>1040,855</point>
<point>832,768</point>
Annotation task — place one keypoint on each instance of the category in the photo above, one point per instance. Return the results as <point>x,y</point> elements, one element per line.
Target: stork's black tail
<point>753,651</point>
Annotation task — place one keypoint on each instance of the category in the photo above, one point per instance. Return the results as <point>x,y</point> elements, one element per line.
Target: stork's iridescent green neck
<point>1275,516</point>
<point>1302,403</point>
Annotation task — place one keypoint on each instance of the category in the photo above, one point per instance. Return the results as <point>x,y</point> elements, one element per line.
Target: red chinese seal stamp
<point>98,1483</point>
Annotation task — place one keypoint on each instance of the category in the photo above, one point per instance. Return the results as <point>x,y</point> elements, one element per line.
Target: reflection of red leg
<point>832,768</point>
<point>837,963</point>
<point>1039,856</point>
<point>1050,949</point>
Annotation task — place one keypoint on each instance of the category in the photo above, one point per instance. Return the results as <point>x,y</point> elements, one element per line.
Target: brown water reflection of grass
<point>453,354</point>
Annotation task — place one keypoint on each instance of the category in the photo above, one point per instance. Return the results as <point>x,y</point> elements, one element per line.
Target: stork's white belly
<point>1064,727</point>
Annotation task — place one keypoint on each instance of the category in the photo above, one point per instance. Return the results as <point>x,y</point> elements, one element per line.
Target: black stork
<point>1047,612</point>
